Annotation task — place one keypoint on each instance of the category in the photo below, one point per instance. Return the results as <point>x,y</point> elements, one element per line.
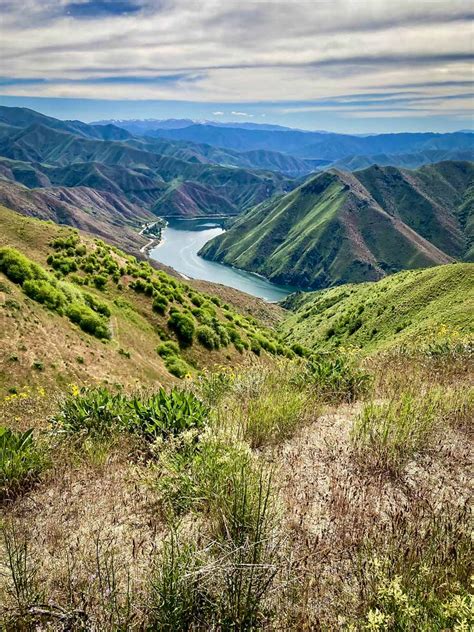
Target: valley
<point>236,371</point>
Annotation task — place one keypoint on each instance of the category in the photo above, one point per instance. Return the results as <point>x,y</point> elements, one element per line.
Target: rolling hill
<point>408,308</point>
<point>339,227</point>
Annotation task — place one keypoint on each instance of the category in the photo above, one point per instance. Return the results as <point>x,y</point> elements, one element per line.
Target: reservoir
<point>182,240</point>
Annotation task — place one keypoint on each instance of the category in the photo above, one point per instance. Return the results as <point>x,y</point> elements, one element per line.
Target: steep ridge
<point>100,213</point>
<point>340,227</point>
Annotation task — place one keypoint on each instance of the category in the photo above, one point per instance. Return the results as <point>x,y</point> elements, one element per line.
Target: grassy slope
<point>30,333</point>
<point>331,230</point>
<point>408,306</point>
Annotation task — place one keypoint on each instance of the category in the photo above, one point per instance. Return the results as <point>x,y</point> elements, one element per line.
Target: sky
<point>354,66</point>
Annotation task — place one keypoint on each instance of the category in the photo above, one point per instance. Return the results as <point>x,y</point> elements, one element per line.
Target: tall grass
<point>386,435</point>
<point>222,483</point>
<point>264,405</point>
<point>336,378</point>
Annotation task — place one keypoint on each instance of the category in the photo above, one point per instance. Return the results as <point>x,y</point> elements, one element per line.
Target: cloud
<point>303,54</point>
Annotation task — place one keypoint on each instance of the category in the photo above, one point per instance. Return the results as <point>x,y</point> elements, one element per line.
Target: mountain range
<point>314,209</point>
<point>341,227</point>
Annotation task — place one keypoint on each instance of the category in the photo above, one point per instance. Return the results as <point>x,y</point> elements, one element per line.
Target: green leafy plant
<point>336,378</point>
<point>21,461</point>
<point>166,414</point>
<point>93,412</point>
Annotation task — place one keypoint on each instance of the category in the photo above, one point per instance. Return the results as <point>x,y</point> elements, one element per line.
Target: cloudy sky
<point>345,65</point>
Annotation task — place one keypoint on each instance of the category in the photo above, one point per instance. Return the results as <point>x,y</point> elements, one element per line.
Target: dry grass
<point>99,528</point>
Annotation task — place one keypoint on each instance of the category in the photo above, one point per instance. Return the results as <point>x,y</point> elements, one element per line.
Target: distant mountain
<point>316,145</point>
<point>39,151</point>
<point>141,127</point>
<point>339,227</point>
<point>408,161</point>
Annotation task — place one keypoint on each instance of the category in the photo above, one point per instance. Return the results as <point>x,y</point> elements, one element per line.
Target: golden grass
<point>96,523</point>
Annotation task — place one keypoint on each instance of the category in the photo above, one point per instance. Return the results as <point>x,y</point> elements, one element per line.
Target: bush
<point>183,326</point>
<point>44,292</point>
<point>88,320</point>
<point>99,281</point>
<point>176,366</point>
<point>208,337</point>
<point>160,303</point>
<point>336,379</point>
<point>168,348</point>
<point>21,461</point>
<point>16,266</point>
<point>96,305</point>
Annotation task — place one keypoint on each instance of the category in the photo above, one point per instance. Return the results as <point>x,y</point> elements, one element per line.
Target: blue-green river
<point>182,240</point>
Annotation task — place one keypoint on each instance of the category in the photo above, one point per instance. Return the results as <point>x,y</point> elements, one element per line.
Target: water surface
<point>182,240</point>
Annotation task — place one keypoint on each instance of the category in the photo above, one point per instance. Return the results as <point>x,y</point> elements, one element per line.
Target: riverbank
<point>155,231</point>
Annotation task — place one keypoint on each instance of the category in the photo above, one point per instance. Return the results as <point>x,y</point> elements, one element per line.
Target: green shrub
<point>196,300</point>
<point>254,346</point>
<point>44,292</point>
<point>299,350</point>
<point>183,326</point>
<point>99,281</point>
<point>16,266</point>
<point>88,320</point>
<point>337,379</point>
<point>160,303</point>
<point>96,305</point>
<point>176,366</point>
<point>65,265</point>
<point>208,337</point>
<point>21,461</point>
<point>168,348</point>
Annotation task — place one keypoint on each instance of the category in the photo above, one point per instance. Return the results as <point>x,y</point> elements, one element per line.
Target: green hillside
<point>409,308</point>
<point>340,228</point>
<point>76,309</point>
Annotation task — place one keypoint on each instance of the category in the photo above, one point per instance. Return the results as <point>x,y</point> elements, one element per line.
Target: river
<point>182,240</point>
